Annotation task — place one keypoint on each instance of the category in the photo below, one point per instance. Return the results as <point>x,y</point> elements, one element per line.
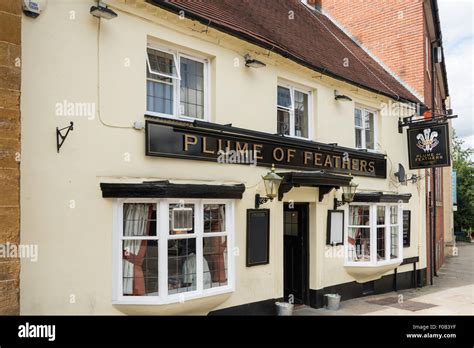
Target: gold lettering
<point>204,146</point>
<point>244,148</point>
<point>318,160</point>
<point>227,147</point>
<point>355,164</point>
<point>290,154</point>
<point>189,140</point>
<point>346,164</point>
<point>371,166</point>
<point>328,162</point>
<point>307,156</point>
<point>256,151</point>
<point>337,161</point>
<point>279,157</point>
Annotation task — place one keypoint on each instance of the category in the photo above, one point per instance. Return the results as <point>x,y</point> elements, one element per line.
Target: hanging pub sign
<point>428,146</point>
<point>207,141</point>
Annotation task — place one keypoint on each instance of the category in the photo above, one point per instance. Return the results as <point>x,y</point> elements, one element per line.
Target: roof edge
<point>438,33</point>
<point>173,7</point>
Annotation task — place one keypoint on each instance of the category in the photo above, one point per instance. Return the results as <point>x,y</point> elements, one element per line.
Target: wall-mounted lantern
<point>102,11</point>
<point>253,63</point>
<point>272,182</point>
<point>348,193</point>
<point>339,96</point>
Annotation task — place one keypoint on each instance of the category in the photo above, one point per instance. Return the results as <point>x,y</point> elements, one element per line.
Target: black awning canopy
<point>382,197</point>
<point>321,179</point>
<point>165,189</point>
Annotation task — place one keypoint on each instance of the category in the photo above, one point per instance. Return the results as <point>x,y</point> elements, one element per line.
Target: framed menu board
<point>258,237</point>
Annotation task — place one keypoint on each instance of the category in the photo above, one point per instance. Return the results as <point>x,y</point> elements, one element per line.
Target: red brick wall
<point>10,51</point>
<point>391,29</point>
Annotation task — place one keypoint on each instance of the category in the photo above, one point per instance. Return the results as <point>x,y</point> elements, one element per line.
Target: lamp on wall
<point>348,193</point>
<point>272,182</point>
<point>102,11</point>
<point>339,96</point>
<point>253,63</point>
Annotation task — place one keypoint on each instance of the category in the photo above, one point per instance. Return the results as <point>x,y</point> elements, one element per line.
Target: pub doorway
<point>296,252</point>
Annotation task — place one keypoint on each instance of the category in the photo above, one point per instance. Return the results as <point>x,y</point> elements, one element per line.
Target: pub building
<point>239,154</point>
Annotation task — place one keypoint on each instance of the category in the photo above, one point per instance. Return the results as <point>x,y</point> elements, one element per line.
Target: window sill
<point>367,271</point>
<point>171,299</point>
<point>296,137</point>
<point>153,114</point>
<point>369,150</point>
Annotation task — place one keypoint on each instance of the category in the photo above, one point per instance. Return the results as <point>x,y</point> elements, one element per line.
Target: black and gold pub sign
<point>428,146</point>
<point>218,143</point>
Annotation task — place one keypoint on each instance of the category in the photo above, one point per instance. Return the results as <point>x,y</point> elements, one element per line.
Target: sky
<point>457,26</point>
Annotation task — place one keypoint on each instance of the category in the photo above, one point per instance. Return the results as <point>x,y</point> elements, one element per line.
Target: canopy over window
<point>165,189</point>
<point>382,197</point>
<point>324,181</point>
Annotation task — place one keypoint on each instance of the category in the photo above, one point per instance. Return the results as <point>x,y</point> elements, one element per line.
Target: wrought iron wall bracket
<point>259,200</point>
<point>410,121</point>
<point>60,137</point>
<point>338,203</point>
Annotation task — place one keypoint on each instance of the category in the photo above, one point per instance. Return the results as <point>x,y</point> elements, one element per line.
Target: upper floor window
<point>293,111</point>
<point>374,233</point>
<point>364,121</point>
<point>176,84</point>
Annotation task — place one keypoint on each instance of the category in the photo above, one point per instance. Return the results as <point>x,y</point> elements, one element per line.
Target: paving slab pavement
<point>451,294</point>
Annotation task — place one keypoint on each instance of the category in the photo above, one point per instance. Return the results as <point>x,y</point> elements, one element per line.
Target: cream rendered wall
<point>62,207</point>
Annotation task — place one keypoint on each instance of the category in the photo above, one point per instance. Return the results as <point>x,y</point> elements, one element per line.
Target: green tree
<point>464,167</point>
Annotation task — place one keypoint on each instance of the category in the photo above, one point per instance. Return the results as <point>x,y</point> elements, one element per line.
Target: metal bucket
<point>333,301</point>
<point>284,308</point>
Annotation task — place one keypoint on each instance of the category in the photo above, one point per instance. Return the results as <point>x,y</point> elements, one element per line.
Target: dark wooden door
<point>295,256</point>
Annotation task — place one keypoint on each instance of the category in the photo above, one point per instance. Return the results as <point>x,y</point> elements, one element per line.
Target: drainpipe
<point>433,170</point>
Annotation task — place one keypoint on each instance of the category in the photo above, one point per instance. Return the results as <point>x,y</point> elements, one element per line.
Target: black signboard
<point>228,144</point>
<point>406,227</point>
<point>258,237</point>
<point>428,146</point>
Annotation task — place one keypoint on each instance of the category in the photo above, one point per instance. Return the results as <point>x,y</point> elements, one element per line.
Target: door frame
<point>304,250</point>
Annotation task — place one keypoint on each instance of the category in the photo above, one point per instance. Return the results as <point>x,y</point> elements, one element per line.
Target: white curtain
<point>135,219</point>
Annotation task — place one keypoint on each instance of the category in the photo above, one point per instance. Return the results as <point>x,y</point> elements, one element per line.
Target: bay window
<point>176,84</point>
<point>364,121</point>
<point>169,250</point>
<point>374,233</point>
<point>293,111</point>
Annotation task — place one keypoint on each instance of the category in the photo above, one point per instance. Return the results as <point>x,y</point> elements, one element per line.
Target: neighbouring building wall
<point>390,30</point>
<point>10,72</point>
